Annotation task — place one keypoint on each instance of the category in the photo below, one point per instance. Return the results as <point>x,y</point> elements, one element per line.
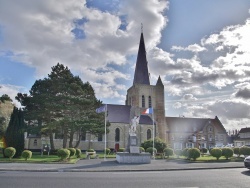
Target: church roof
<point>141,75</point>
<point>121,114</point>
<point>245,130</point>
<point>182,124</point>
<point>118,113</point>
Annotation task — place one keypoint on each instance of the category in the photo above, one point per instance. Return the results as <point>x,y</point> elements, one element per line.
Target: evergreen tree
<point>62,103</point>
<point>15,132</point>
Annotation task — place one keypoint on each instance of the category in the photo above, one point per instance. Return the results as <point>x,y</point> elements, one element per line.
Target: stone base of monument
<point>133,158</point>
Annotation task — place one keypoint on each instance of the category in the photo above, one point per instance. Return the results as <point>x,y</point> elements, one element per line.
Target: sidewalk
<point>111,165</point>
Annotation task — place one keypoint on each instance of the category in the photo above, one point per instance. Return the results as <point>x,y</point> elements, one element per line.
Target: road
<point>229,178</point>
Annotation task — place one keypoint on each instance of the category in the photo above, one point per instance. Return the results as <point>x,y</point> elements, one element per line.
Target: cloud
<point>11,91</point>
<point>189,97</point>
<point>177,105</point>
<point>45,36</point>
<point>192,48</point>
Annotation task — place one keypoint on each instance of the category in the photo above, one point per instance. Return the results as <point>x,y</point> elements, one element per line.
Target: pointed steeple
<point>141,75</point>
<point>159,82</point>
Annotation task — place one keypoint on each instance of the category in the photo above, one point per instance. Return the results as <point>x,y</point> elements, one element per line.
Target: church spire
<point>141,75</point>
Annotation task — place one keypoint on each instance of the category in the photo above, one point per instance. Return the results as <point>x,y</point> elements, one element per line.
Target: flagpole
<point>105,137</point>
<point>153,134</point>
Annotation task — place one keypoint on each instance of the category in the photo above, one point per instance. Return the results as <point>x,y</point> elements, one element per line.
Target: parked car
<point>247,162</point>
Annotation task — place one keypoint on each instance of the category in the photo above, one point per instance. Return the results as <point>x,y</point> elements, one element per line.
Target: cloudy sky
<point>200,48</point>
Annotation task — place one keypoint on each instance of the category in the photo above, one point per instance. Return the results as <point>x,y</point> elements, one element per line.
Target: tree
<point>15,132</point>
<point>4,98</point>
<point>62,104</point>
<point>216,152</point>
<point>6,108</point>
<point>159,144</point>
<point>168,152</point>
<point>236,151</point>
<point>194,153</point>
<point>227,152</point>
<point>245,150</point>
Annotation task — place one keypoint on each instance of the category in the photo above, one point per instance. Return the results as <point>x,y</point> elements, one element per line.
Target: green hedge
<point>194,153</point>
<point>63,154</point>
<point>168,152</point>
<point>9,152</point>
<point>26,154</point>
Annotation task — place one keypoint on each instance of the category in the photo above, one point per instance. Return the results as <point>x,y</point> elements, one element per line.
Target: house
<point>244,138</point>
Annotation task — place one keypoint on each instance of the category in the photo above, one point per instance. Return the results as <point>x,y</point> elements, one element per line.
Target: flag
<point>101,109</point>
<point>148,111</point>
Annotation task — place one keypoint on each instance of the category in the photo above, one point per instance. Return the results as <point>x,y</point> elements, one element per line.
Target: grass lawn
<point>37,158</point>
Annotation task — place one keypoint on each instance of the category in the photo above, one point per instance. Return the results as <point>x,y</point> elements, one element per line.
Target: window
<point>203,145</point>
<point>35,142</point>
<point>189,145</point>
<point>148,134</point>
<point>210,137</point>
<point>210,129</point>
<point>149,102</point>
<point>221,137</point>
<point>177,145</point>
<point>143,101</point>
<point>117,134</point>
<point>83,136</point>
<point>99,138</point>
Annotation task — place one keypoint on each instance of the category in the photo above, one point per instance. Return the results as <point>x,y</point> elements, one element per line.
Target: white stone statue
<point>134,123</point>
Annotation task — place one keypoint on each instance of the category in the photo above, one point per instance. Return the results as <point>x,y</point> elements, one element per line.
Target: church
<point>177,132</point>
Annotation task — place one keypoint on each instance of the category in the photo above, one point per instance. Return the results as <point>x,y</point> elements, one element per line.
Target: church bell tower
<point>141,95</point>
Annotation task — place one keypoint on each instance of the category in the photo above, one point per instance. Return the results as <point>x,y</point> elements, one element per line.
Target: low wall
<point>133,158</point>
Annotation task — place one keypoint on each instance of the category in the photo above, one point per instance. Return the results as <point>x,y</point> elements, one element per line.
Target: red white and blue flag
<point>148,111</point>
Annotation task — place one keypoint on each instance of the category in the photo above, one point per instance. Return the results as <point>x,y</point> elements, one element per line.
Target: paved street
<point>229,178</point>
<point>111,165</point>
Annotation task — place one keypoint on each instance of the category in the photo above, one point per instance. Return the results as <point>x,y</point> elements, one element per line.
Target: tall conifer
<point>15,132</point>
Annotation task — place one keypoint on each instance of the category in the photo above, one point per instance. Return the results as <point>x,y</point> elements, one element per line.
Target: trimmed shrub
<point>150,150</point>
<point>63,154</point>
<point>78,153</point>
<point>194,153</point>
<point>185,152</point>
<point>26,154</point>
<point>236,151</point>
<point>245,150</point>
<point>178,152</point>
<point>168,152</point>
<point>159,144</point>
<point>9,152</point>
<point>227,152</point>
<point>216,152</point>
<point>107,151</point>
<point>121,149</point>
<point>141,149</point>
<point>90,150</point>
<point>72,152</point>
<point>203,150</point>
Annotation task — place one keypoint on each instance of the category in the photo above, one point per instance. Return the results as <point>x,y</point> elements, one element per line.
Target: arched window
<point>149,102</point>
<point>148,134</point>
<point>143,101</point>
<point>117,134</point>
